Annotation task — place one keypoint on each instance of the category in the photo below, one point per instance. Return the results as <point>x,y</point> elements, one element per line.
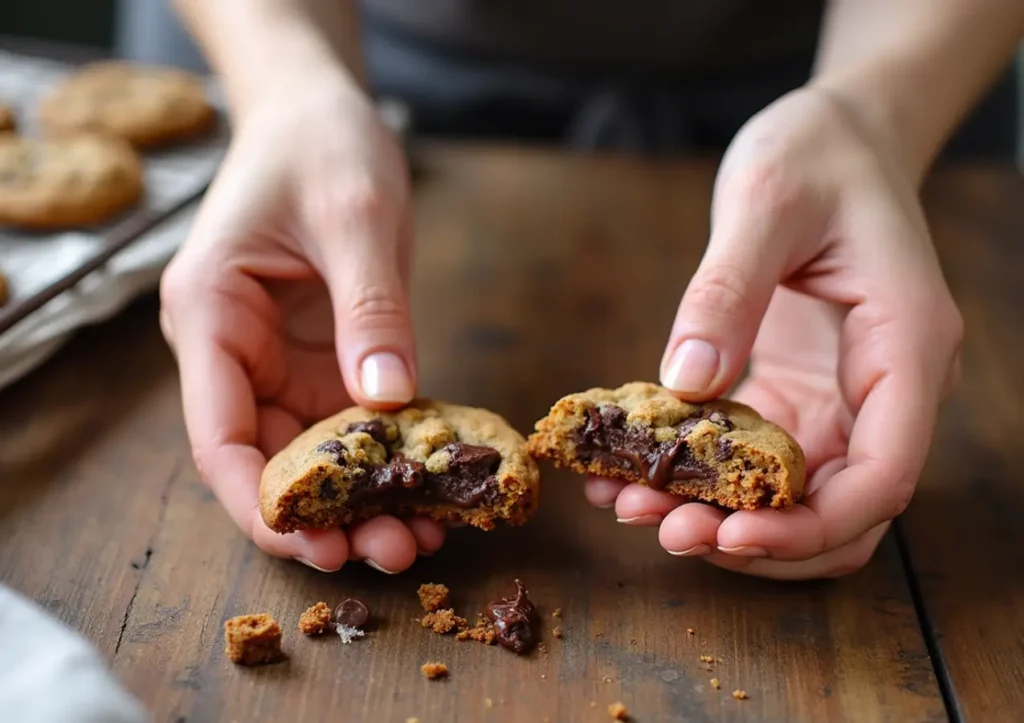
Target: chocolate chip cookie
<point>720,452</point>
<point>62,183</point>
<point>432,459</point>
<point>8,124</point>
<point>146,105</point>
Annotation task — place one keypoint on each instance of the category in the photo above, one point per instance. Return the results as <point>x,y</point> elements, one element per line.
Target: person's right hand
<point>287,302</point>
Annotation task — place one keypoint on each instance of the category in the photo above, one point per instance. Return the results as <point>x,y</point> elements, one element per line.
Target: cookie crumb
<point>690,631</point>
<point>716,684</point>
<point>617,711</point>
<point>607,679</point>
<point>316,620</point>
<point>433,671</point>
<point>488,703</point>
<point>556,613</point>
<point>252,639</point>
<point>593,704</point>
<point>412,720</point>
<point>740,694</point>
<point>433,596</point>
<point>482,633</point>
<point>443,621</point>
<point>707,659</point>
<point>557,631</point>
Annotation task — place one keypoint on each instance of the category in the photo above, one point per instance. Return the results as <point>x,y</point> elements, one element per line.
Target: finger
<point>640,505</point>
<point>752,241</point>
<point>834,563</point>
<point>690,530</point>
<point>275,429</point>
<point>363,268</point>
<point>601,492</point>
<point>429,534</point>
<point>793,534</point>
<point>383,543</point>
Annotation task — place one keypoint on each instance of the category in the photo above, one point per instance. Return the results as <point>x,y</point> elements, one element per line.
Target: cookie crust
<point>308,484</point>
<point>60,183</point>
<point>720,452</point>
<point>147,105</point>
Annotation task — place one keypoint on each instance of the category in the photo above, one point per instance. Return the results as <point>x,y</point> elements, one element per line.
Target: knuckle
<point>360,200</point>
<point>376,307</point>
<point>721,291</point>
<point>763,185</point>
<point>174,287</point>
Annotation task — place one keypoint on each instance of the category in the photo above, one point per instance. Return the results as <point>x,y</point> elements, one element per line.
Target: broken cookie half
<point>721,452</point>
<point>432,459</point>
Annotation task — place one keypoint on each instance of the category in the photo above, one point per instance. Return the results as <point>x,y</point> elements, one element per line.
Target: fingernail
<point>423,553</point>
<point>695,551</point>
<point>691,368</point>
<point>640,520</point>
<point>375,566</point>
<point>605,507</point>
<point>385,378</point>
<point>744,551</point>
<point>307,563</point>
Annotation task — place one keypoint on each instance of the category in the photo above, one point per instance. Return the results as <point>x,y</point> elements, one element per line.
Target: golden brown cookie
<point>63,183</point>
<point>146,105</point>
<point>720,452</point>
<point>8,123</point>
<point>433,459</point>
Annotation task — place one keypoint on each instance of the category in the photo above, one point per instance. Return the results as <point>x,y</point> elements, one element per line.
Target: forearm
<point>261,45</point>
<point>912,69</point>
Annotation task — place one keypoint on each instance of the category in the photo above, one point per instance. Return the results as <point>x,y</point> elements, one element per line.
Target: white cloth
<point>50,674</point>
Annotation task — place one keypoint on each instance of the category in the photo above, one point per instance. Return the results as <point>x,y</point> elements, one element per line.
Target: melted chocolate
<point>469,480</point>
<point>515,619</point>
<point>607,436</point>
<point>375,428</point>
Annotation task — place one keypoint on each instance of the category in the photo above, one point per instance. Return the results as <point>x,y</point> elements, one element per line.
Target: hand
<point>288,301</point>
<point>821,269</point>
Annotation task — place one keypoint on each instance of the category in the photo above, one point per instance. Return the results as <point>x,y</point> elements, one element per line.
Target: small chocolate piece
<point>375,428</point>
<point>470,474</point>
<point>352,613</point>
<point>514,620</point>
<point>331,446</point>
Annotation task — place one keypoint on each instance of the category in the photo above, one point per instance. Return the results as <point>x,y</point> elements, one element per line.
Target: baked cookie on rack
<point>146,105</point>
<point>57,183</point>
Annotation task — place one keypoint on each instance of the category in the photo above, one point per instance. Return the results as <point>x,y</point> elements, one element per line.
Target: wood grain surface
<point>536,274</point>
<point>963,530</point>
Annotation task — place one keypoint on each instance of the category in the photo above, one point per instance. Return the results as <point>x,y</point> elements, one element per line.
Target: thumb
<point>723,306</point>
<point>373,326</point>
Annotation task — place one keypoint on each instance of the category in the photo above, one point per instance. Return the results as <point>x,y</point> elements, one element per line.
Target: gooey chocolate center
<point>607,437</point>
<point>469,480</point>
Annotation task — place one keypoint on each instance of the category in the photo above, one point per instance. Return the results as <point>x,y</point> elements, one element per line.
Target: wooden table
<point>105,523</point>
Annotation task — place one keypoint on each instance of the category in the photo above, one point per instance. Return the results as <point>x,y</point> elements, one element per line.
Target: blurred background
<point>148,30</point>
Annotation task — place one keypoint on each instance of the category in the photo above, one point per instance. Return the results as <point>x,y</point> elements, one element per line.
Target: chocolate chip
<point>721,420</point>
<point>331,446</point>
<point>514,620</point>
<point>724,449</point>
<point>352,613</point>
<point>375,428</point>
<point>327,490</point>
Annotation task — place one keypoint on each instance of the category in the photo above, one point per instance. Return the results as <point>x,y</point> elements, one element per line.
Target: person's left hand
<point>820,251</point>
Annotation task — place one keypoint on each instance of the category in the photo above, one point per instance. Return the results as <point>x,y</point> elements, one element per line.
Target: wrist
<point>865,102</point>
<point>266,51</point>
